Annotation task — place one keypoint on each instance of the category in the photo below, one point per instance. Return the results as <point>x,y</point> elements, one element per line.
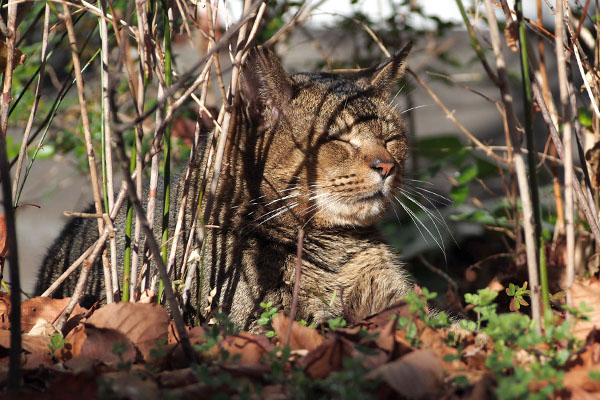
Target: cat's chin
<point>363,212</point>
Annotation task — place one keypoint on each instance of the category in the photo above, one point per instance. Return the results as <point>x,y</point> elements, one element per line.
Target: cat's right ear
<point>266,87</point>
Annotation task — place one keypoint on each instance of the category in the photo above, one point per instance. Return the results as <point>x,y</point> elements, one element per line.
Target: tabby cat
<point>318,151</point>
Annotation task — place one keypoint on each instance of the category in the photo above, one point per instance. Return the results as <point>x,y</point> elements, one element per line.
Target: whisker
<point>412,214</point>
<point>283,209</point>
<point>289,196</point>
<point>439,218</point>
<point>414,108</point>
<point>413,217</point>
<point>446,201</point>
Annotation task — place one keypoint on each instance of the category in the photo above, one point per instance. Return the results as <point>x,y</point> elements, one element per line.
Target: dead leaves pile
<point>131,351</point>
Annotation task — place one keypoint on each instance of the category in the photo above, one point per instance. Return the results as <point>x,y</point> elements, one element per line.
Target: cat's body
<point>320,152</point>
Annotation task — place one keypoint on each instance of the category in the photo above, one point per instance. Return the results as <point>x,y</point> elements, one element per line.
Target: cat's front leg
<point>374,282</point>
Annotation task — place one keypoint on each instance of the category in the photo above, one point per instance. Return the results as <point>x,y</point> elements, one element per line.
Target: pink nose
<point>384,168</point>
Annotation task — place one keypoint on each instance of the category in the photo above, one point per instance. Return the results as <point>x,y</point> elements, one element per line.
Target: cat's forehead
<point>341,105</point>
<point>331,83</point>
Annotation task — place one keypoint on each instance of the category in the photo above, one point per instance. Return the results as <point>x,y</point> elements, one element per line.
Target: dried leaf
<point>385,340</point>
<point>73,387</point>
<point>416,375</point>
<point>132,386</point>
<point>46,308</point>
<point>95,343</point>
<point>35,350</point>
<point>3,235</point>
<point>323,360</point>
<point>246,347</point>
<point>383,318</point>
<point>589,292</point>
<point>302,337</point>
<point>511,32</point>
<point>592,156</point>
<point>579,379</point>
<point>143,324</point>
<point>4,310</point>
<point>43,328</point>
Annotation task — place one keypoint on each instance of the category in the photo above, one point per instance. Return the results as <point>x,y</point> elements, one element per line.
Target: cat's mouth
<point>377,195</point>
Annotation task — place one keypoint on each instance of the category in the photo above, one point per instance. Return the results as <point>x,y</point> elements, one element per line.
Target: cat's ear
<point>382,78</point>
<point>266,87</point>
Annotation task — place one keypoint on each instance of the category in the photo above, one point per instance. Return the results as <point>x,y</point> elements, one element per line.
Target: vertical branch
<point>107,169</point>
<point>296,291</point>
<point>153,245</point>
<point>66,16</point>
<point>14,372</point>
<point>531,155</point>
<point>167,16</point>
<point>519,163</point>
<point>475,43</point>
<point>34,107</point>
<point>143,32</point>
<point>108,275</point>
<point>225,126</point>
<point>568,146</point>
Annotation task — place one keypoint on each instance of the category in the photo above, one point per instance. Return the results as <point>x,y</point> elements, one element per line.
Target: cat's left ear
<point>382,78</point>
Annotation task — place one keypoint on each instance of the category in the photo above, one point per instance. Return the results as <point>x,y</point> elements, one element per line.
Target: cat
<point>319,151</point>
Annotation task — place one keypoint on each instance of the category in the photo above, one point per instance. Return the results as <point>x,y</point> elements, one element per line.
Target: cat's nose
<point>383,167</point>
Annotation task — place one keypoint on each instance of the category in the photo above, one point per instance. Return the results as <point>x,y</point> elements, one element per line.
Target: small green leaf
<point>467,174</point>
<point>585,117</point>
<point>459,194</point>
<point>461,381</point>
<point>595,375</point>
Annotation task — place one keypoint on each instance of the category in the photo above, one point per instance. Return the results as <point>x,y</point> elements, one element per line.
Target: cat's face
<point>334,146</point>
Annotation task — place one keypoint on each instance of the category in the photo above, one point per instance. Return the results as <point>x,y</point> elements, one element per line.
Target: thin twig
<point>107,136</point>
<point>243,41</point>
<point>66,16</point>
<point>152,244</point>
<point>581,198</point>
<point>519,163</point>
<point>14,371</point>
<point>297,277</point>
<point>113,214</point>
<point>34,107</point>
<point>451,117</point>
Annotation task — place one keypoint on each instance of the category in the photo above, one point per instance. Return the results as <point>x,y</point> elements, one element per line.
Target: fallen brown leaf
<point>95,343</point>
<point>132,385</point>
<point>245,347</point>
<point>35,350</point>
<point>4,310</point>
<point>302,337</point>
<point>381,319</point>
<point>579,380</point>
<point>415,375</point>
<point>324,359</point>
<point>143,324</point>
<point>3,236</point>
<point>587,291</point>
<point>46,308</point>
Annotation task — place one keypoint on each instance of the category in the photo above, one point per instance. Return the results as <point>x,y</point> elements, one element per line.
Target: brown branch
<point>297,278</point>
<point>36,101</point>
<point>519,163</point>
<point>14,372</point>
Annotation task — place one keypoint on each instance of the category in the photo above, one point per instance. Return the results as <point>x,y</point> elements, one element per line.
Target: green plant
<point>336,323</point>
<point>483,304</point>
<point>266,318</point>
<point>57,342</point>
<point>119,349</point>
<point>517,292</point>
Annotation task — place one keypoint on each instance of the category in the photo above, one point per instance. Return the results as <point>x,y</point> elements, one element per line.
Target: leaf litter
<point>130,351</point>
